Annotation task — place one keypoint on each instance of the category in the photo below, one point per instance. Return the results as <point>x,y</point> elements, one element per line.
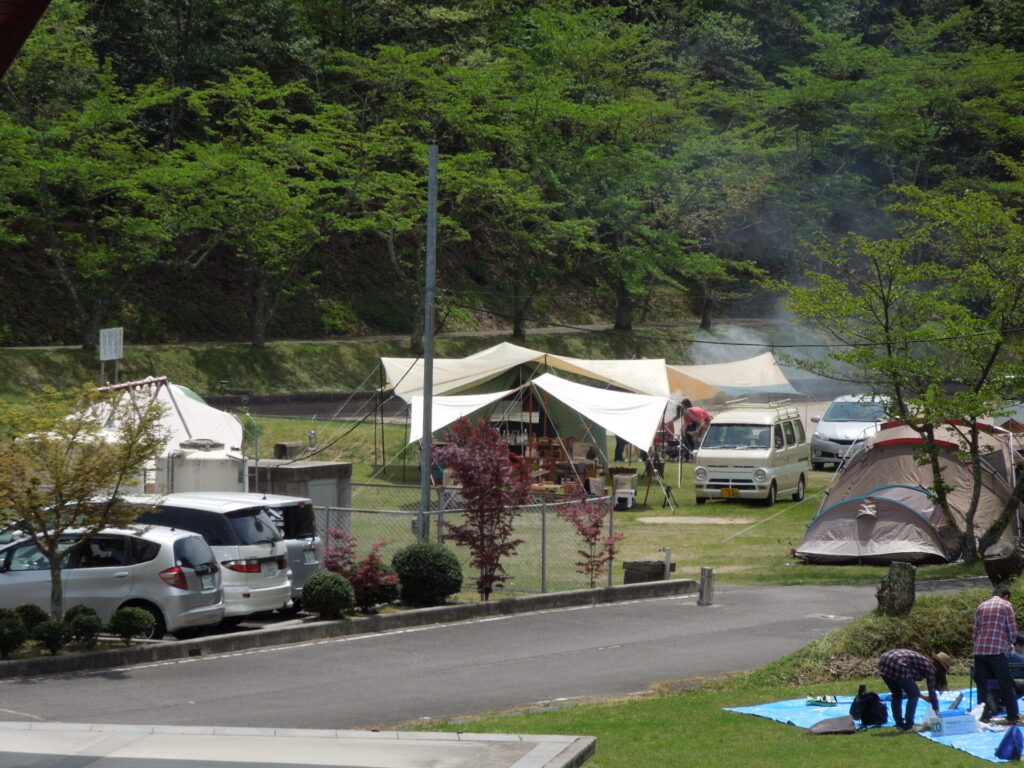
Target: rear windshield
<point>192,551</point>
<point>253,526</point>
<point>295,521</point>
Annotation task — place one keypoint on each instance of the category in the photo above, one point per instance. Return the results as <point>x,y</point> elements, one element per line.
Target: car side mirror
<point>815,419</point>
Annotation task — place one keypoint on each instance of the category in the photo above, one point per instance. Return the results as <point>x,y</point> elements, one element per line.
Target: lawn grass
<point>744,543</point>
<point>691,728</point>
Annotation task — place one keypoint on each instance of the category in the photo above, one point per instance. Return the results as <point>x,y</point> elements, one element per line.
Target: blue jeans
<point>902,688</point>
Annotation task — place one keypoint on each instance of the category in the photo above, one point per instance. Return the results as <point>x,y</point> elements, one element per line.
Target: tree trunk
<point>897,590</point>
<point>623,309</point>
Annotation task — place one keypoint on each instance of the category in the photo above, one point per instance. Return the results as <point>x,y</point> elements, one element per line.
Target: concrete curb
<point>320,630</point>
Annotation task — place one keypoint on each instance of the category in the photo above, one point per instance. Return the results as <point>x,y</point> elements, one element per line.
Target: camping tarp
<point>186,415</point>
<point>739,377</point>
<point>635,418</point>
<point>459,375</point>
<point>880,508</point>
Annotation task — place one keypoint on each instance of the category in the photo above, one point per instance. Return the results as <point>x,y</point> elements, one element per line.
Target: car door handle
<point>121,575</point>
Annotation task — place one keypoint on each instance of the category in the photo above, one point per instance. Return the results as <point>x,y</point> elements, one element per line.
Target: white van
<point>250,549</point>
<point>753,451</point>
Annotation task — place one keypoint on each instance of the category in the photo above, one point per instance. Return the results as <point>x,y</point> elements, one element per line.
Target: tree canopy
<point>256,170</point>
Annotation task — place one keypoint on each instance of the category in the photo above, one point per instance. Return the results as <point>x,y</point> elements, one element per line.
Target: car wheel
<point>817,466</point>
<point>800,488</point>
<point>769,500</point>
<point>701,499</point>
<point>159,625</point>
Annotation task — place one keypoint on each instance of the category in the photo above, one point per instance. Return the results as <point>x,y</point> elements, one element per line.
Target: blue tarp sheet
<point>797,712</point>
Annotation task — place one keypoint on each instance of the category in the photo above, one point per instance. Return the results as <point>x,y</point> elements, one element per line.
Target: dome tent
<point>880,507</point>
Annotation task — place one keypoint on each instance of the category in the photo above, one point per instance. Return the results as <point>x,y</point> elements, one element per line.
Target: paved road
<point>451,670</point>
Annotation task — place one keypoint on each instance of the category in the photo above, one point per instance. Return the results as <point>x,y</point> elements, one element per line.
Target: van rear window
<point>253,526</point>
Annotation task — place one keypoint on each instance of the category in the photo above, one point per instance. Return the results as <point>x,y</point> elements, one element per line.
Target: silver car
<point>844,425</point>
<point>295,520</point>
<point>171,574</point>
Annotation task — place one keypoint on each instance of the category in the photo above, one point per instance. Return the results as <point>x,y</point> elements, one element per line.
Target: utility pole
<point>429,289</point>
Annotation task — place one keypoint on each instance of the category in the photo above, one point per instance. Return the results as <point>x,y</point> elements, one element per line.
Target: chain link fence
<point>545,561</point>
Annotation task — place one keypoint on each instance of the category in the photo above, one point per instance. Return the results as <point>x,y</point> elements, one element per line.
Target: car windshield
<point>253,526</point>
<point>855,410</point>
<point>737,436</point>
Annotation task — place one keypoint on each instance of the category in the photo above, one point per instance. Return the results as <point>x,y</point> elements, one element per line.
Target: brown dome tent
<point>880,507</point>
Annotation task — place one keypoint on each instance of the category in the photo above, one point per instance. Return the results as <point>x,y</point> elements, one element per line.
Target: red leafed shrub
<point>372,582</point>
<point>494,486</point>
<point>588,517</point>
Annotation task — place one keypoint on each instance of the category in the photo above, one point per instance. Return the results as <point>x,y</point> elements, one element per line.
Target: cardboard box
<point>954,722</point>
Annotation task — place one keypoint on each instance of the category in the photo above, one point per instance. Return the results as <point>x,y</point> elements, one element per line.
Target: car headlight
<point>760,475</point>
<point>700,474</point>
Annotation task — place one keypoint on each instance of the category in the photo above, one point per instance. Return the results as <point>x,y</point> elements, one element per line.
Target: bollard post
<point>667,573</point>
<point>707,586</point>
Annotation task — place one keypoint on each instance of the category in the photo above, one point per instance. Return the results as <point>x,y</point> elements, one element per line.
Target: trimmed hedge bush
<point>12,632</point>
<point>85,624</point>
<point>429,573</point>
<point>31,614</point>
<point>53,634</point>
<point>131,622</point>
<point>328,594</point>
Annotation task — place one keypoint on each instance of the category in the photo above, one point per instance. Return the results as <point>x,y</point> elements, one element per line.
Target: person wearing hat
<point>900,669</point>
<point>995,629</point>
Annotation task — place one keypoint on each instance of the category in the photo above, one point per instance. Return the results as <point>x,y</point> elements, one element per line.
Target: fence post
<point>544,547</point>
<point>611,532</point>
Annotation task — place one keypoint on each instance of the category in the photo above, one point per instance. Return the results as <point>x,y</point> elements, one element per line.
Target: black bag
<point>841,724</point>
<point>868,709</point>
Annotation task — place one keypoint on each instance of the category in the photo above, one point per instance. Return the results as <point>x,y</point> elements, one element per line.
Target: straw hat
<point>944,659</point>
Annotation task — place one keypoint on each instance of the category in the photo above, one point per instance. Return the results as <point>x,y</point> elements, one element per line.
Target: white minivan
<point>753,451</point>
<point>249,547</point>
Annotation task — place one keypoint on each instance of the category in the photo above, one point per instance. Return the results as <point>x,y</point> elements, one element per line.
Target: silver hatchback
<point>169,573</point>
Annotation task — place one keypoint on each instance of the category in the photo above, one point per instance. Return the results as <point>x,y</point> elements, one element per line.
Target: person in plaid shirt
<point>900,669</point>
<point>995,629</point>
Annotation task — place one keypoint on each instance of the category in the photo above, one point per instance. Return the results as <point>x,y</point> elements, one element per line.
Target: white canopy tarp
<point>451,375</point>
<point>448,409</point>
<point>635,418</point>
<point>186,416</point>
<point>739,377</point>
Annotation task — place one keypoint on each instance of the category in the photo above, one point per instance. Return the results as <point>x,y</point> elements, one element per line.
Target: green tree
<point>62,467</point>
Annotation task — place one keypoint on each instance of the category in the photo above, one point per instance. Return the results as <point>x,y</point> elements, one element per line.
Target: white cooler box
<point>625,497</point>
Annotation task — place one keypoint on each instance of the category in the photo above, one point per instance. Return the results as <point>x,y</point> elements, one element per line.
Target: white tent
<point>452,375</point>
<point>186,416</point>
<point>635,418</point>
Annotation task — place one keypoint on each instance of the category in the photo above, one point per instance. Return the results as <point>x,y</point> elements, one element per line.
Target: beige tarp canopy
<point>737,378</point>
<point>880,507</point>
<point>457,375</point>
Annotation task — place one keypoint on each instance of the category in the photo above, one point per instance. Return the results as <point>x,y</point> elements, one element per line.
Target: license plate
<point>309,557</point>
<point>730,493</point>
<point>207,580</point>
<point>269,569</point>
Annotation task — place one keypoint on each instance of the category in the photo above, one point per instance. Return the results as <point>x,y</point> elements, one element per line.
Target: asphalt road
<point>445,671</point>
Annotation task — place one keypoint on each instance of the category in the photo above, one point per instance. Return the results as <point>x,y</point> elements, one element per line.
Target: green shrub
<point>85,624</point>
<point>12,632</point>
<point>428,573</point>
<point>328,594</point>
<point>53,634</point>
<point>32,615</point>
<point>131,622</point>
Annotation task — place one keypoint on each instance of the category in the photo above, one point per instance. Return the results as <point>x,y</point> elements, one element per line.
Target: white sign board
<point>111,343</point>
